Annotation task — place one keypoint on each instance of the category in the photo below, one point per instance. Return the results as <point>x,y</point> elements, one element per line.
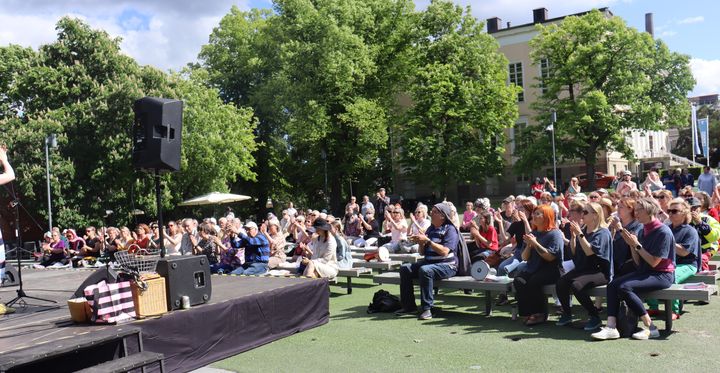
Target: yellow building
<point>514,44</point>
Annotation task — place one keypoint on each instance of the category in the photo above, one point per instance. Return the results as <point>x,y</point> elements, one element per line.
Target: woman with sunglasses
<point>687,250</point>
<point>397,225</point>
<point>653,251</point>
<point>591,249</point>
<point>543,253</point>
<point>622,259</point>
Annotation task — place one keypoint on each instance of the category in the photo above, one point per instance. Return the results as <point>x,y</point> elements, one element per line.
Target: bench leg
<point>488,303</point>
<point>349,285</point>
<point>668,315</point>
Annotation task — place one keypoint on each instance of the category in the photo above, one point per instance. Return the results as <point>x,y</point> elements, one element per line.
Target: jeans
<point>578,282</point>
<point>251,269</point>
<point>625,288</point>
<point>509,265</point>
<point>220,268</point>
<point>427,274</point>
<point>682,273</point>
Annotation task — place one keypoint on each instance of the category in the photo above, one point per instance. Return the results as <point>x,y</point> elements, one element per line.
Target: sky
<point>168,34</point>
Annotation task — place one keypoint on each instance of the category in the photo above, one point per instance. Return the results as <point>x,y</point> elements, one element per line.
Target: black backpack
<point>384,302</point>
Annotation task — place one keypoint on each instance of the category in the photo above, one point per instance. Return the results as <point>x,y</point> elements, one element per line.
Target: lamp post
<point>50,142</point>
<point>553,119</point>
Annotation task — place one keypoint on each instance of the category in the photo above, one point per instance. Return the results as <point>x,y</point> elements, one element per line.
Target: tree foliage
<point>82,88</point>
<point>461,102</point>
<point>605,80</point>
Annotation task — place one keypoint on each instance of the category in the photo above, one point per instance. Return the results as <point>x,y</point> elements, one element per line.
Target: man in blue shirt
<point>257,251</point>
<point>439,245</point>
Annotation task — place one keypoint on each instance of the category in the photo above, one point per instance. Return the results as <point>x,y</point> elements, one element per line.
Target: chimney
<point>649,24</point>
<point>540,15</point>
<point>493,24</point>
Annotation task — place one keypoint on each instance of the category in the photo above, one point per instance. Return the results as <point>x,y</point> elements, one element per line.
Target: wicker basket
<point>150,302</point>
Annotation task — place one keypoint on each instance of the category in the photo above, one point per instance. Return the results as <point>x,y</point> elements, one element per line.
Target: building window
<point>544,74</point>
<point>516,77</point>
<point>517,133</point>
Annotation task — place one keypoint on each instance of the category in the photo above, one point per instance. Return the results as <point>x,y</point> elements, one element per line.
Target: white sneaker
<point>643,334</point>
<point>606,333</point>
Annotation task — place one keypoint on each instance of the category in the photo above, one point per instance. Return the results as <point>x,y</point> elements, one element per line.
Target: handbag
<point>494,259</point>
<point>110,303</point>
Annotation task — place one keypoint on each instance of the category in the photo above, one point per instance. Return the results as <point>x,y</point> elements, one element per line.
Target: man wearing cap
<point>439,246</point>
<point>257,251</point>
<point>626,185</point>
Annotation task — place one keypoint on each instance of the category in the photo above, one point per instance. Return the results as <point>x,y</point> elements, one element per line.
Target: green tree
<point>605,80</point>
<point>82,88</point>
<point>461,104</point>
<point>322,78</point>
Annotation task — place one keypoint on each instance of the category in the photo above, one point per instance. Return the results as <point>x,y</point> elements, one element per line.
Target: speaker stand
<point>161,224</point>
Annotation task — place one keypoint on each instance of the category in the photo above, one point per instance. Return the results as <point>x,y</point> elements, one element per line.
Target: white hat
<point>250,224</point>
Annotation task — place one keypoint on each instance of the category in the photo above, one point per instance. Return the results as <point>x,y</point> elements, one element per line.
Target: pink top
<point>468,216</point>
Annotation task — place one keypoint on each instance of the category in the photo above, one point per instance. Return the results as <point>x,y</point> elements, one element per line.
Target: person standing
<point>381,202</point>
<point>706,181</point>
<point>7,176</point>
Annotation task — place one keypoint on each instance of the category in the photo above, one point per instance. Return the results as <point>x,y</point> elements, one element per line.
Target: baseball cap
<point>250,224</point>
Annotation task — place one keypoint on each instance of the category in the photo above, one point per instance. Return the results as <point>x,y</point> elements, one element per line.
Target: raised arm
<point>9,174</point>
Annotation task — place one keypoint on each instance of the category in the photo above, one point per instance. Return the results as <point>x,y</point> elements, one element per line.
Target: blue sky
<point>169,33</point>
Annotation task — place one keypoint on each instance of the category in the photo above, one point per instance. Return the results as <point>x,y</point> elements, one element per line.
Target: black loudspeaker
<point>157,134</point>
<point>106,274</point>
<point>186,275</point>
<point>11,276</point>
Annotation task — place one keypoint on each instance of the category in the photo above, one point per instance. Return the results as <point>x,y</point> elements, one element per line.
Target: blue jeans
<point>427,274</point>
<point>625,288</point>
<point>251,269</point>
<point>220,268</point>
<point>509,265</point>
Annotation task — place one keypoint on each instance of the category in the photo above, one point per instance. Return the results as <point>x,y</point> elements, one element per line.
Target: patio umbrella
<point>214,198</point>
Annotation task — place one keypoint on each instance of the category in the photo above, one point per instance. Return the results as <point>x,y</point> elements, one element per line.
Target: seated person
<point>653,252</point>
<point>93,244</point>
<point>439,245</point>
<point>320,258</point>
<point>257,251</point>
<point>113,243</point>
<point>468,216</point>
<point>419,224</point>
<point>142,239</point>
<point>55,251</point>
<point>622,259</point>
<point>542,251</point>
<point>353,229</point>
<point>209,244</point>
<point>395,220</point>
<point>591,249</point>
<point>485,237</point>
<point>687,250</point>
<point>370,227</point>
<point>271,230</point>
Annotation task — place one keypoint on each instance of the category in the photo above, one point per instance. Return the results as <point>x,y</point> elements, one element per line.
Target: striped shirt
<point>257,249</point>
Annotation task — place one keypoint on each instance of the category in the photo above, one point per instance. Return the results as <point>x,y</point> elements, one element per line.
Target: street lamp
<point>553,119</point>
<point>50,142</point>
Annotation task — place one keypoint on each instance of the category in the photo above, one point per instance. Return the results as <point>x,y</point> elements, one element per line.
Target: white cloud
<point>176,29</point>
<point>690,20</point>
<point>667,34</point>
<point>707,75</point>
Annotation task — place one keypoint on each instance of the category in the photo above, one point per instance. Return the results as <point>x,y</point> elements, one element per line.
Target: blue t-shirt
<point>551,240</point>
<point>687,236</point>
<point>601,243</point>
<point>445,235</point>
<point>659,243</point>
<point>621,250</point>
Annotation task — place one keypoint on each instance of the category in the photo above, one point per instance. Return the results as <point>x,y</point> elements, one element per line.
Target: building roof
<point>605,10</point>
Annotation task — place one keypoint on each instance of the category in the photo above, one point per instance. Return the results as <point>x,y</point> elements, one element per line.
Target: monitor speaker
<point>186,276</point>
<point>157,134</point>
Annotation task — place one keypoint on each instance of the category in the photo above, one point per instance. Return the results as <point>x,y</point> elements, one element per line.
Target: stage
<point>244,312</point>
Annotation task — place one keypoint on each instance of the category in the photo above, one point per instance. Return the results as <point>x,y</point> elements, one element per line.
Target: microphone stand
<point>15,203</point>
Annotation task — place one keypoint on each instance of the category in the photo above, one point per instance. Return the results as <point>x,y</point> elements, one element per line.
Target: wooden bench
<point>457,282</point>
<point>348,273</point>
<point>676,291</point>
<point>707,277</point>
<point>405,258</point>
<point>380,266</point>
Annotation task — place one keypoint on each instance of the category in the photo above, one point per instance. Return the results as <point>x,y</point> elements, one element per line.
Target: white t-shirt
<point>424,224</point>
<point>397,235</point>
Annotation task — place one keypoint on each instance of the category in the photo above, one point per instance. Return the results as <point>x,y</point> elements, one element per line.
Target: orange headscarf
<point>548,218</point>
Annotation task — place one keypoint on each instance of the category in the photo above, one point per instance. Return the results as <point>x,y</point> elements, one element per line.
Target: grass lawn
<point>460,338</point>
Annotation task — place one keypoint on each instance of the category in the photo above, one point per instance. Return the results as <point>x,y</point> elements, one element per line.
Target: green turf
<point>460,338</point>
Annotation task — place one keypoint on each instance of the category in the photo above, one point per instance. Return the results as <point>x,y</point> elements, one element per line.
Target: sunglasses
<point>594,197</point>
<point>578,210</point>
<point>674,211</point>
<point>662,196</point>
